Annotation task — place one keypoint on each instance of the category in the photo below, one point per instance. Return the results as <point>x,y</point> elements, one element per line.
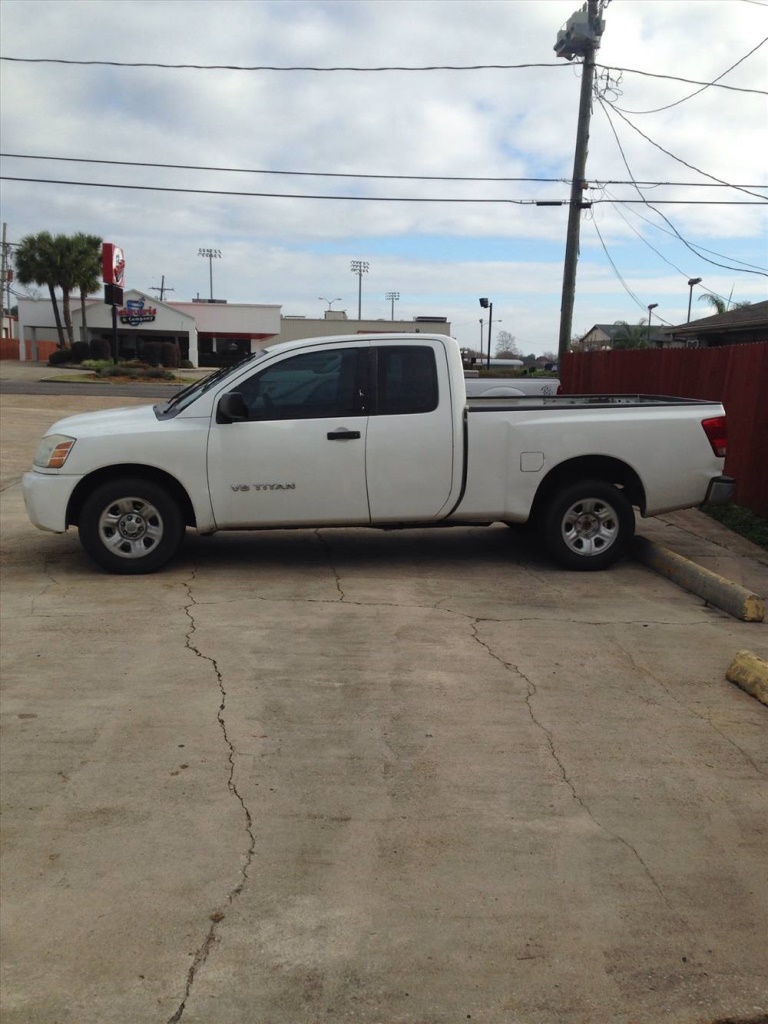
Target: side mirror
<point>231,408</point>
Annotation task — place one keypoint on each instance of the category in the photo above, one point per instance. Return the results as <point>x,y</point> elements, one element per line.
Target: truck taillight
<point>717,435</point>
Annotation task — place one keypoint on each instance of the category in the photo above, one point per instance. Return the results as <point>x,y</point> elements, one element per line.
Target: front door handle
<point>344,435</point>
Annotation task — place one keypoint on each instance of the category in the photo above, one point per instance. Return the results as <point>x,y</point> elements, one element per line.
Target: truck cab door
<point>410,448</point>
<point>298,456</point>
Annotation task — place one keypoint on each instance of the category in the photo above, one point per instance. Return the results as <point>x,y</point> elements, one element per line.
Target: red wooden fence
<point>736,375</point>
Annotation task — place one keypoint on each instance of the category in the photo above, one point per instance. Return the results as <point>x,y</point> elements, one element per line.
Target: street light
<point>486,304</point>
<point>393,297</point>
<point>653,305</point>
<point>210,255</point>
<point>322,298</point>
<point>691,282</point>
<point>359,267</point>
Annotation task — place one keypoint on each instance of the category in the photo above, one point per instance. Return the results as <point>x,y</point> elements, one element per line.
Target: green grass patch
<point>741,521</point>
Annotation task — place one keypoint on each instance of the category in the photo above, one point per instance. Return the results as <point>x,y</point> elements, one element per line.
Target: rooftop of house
<point>753,315</point>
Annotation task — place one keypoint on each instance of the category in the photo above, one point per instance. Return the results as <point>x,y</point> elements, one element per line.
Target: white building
<point>207,334</point>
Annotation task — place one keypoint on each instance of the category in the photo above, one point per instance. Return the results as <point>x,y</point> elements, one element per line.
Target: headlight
<point>53,450</point>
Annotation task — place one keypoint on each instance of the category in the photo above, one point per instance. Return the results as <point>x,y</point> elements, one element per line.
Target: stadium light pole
<point>359,267</point>
<point>210,255</point>
<point>393,297</point>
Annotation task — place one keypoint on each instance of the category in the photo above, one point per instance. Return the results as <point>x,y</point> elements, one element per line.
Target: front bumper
<point>46,497</point>
<point>720,490</point>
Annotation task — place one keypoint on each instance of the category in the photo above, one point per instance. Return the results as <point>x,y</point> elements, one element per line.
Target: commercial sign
<point>135,313</point>
<point>112,264</point>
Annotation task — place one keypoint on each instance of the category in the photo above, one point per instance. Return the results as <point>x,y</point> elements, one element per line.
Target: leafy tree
<point>37,260</point>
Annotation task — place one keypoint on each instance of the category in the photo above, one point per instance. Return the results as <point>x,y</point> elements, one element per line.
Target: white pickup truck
<point>371,431</point>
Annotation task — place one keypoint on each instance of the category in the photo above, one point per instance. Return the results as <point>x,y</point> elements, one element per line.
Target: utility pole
<point>3,275</point>
<point>162,289</point>
<point>580,38</point>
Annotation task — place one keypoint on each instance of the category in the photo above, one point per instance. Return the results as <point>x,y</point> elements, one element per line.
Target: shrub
<point>158,373</point>
<point>60,356</point>
<point>80,351</point>
<point>153,353</point>
<point>100,348</point>
<point>169,354</point>
<point>186,364</point>
<point>96,364</point>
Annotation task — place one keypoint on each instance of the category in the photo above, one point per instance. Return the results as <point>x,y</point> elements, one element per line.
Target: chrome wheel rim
<point>130,527</point>
<point>590,527</point>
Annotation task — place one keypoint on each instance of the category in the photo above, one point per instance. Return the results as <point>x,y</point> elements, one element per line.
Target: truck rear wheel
<point>130,526</point>
<point>588,525</point>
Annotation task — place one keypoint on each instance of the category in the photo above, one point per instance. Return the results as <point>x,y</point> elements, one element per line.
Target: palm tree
<point>720,305</point>
<point>631,335</point>
<point>37,260</point>
<point>87,251</point>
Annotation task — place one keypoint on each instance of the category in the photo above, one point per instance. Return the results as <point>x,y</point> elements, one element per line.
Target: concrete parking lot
<point>392,778</point>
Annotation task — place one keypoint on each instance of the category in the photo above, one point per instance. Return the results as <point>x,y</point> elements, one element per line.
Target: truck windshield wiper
<point>201,386</point>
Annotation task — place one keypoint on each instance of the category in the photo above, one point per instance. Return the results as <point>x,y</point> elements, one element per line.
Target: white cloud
<point>489,123</point>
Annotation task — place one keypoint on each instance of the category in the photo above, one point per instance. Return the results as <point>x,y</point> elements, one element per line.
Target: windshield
<point>190,393</point>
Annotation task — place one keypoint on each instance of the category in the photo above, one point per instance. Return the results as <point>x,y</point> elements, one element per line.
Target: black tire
<point>130,526</point>
<point>588,525</point>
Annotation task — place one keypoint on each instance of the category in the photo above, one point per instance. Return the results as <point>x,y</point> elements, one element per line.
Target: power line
<point>672,155</point>
<point>660,214</point>
<point>370,199</point>
<point>353,174</point>
<point>661,255</point>
<point>431,67</point>
<point>658,227</point>
<point>714,81</point>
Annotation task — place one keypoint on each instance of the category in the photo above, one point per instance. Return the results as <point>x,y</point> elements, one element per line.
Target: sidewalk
<point>703,540</point>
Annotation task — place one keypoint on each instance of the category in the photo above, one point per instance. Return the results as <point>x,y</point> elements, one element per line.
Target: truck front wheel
<point>588,525</point>
<point>130,526</point>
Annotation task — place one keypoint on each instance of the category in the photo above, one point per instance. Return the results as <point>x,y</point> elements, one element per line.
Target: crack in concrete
<point>201,955</point>
<point>53,583</point>
<point>531,693</point>
<point>327,549</point>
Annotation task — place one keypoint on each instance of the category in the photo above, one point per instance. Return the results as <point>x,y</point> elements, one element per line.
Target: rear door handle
<point>344,435</point>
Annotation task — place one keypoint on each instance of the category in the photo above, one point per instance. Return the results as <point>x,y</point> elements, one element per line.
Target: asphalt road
<point>361,777</point>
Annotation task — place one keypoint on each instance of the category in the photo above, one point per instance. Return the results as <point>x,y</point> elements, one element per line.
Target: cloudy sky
<point>441,257</point>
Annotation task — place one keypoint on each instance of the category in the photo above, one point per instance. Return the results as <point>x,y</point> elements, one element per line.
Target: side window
<point>407,380</point>
<point>312,385</point>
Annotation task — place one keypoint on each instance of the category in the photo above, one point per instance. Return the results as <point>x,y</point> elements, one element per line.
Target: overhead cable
<point>714,81</point>
<point>354,174</point>
<point>368,199</point>
<point>431,67</point>
<point>687,244</point>
<point>658,227</point>
<point>679,160</point>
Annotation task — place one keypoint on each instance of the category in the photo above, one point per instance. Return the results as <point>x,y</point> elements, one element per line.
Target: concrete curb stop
<point>730,597</point>
<point>751,674</point>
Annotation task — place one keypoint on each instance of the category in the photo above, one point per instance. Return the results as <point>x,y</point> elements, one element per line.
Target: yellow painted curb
<point>730,597</point>
<point>751,674</point>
